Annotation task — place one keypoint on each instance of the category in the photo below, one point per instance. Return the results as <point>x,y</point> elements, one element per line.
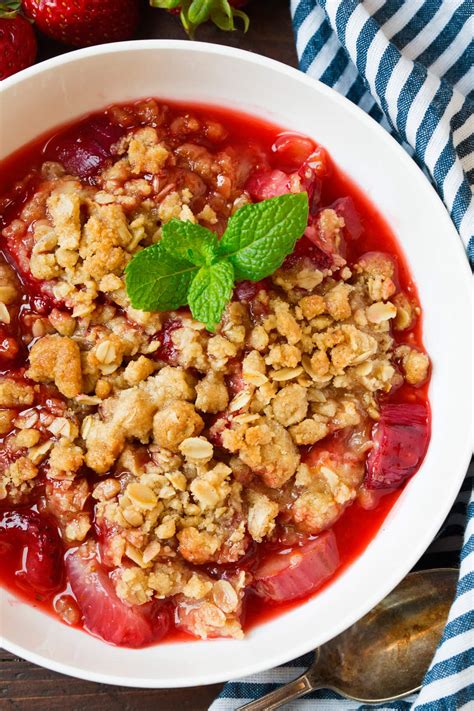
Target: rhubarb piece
<point>346,209</point>
<point>400,439</point>
<point>298,572</point>
<point>105,614</point>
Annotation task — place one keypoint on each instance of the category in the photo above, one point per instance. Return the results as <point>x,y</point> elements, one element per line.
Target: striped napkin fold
<point>410,65</point>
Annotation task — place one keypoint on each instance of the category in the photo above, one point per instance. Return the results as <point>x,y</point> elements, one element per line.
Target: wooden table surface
<point>24,686</point>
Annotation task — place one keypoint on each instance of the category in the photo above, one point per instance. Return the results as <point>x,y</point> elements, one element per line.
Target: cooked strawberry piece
<point>247,290</point>
<point>308,176</point>
<point>84,149</point>
<point>330,240</point>
<point>102,130</point>
<point>43,563</point>
<point>12,202</point>
<point>311,175</point>
<point>318,161</point>
<point>8,348</point>
<point>292,150</point>
<point>105,614</point>
<point>39,293</point>
<point>263,186</point>
<point>234,380</point>
<point>218,425</point>
<point>298,572</point>
<point>400,439</point>
<point>45,302</point>
<point>167,350</point>
<point>7,455</point>
<point>312,183</point>
<point>306,248</point>
<point>346,209</point>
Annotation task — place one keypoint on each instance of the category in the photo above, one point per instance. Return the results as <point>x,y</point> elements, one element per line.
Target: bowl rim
<point>421,543</point>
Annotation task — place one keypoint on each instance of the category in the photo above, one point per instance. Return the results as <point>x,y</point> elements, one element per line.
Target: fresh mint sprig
<point>191,266</point>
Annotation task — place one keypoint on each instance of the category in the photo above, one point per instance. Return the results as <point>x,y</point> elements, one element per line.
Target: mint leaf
<point>158,281</point>
<point>193,243</point>
<point>259,236</point>
<point>210,291</point>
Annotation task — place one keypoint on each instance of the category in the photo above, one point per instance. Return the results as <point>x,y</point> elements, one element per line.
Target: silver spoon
<point>383,656</point>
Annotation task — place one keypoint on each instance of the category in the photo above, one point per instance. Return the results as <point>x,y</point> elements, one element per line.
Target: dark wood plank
<point>25,686</point>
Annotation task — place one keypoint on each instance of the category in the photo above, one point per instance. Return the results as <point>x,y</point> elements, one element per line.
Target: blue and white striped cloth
<point>409,64</point>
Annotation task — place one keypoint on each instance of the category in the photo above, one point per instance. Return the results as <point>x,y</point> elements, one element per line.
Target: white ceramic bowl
<point>66,87</point>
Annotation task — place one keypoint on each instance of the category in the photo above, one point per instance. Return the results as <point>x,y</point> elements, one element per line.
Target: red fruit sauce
<point>357,526</point>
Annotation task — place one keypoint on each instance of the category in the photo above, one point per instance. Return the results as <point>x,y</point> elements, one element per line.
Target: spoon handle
<point>288,692</point>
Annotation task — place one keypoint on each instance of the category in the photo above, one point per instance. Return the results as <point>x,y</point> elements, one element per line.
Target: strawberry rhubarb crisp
<point>212,379</point>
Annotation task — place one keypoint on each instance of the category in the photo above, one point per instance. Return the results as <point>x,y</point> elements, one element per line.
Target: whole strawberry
<point>81,23</point>
<point>194,12</point>
<point>17,40</point>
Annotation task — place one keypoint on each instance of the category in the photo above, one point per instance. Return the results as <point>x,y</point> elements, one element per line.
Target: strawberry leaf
<point>165,4</point>
<point>242,16</point>
<point>199,11</point>
<point>195,12</point>
<point>9,8</point>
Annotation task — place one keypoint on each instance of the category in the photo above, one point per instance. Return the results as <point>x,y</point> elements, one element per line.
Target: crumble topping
<point>183,446</point>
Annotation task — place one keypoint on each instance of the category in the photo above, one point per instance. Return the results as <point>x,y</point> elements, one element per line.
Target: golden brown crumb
<point>57,359</point>
<point>175,423</point>
<point>337,302</point>
<point>290,405</point>
<point>145,153</point>
<point>13,393</point>
<point>66,457</point>
<point>415,364</point>
<point>261,516</point>
<point>6,419</point>
<point>211,393</point>
<point>312,306</point>
<point>309,431</point>
<point>138,370</point>
<point>266,447</point>
<point>197,546</point>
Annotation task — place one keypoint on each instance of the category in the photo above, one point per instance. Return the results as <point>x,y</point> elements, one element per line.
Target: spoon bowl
<point>384,656</point>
